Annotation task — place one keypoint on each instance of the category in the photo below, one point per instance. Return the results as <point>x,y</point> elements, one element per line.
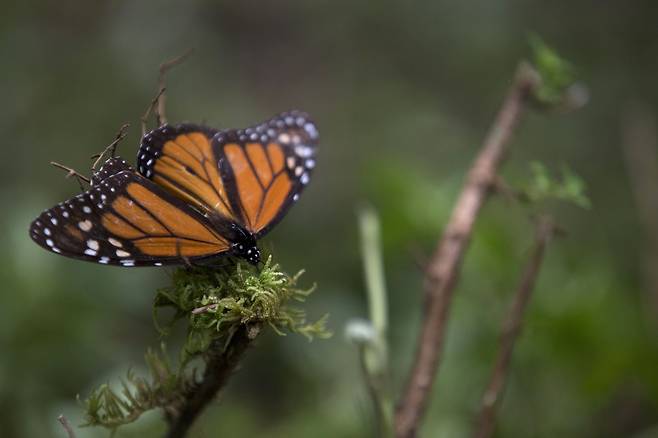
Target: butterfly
<point>196,193</point>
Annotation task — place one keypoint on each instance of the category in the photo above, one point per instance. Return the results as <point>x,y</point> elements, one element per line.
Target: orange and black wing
<point>182,160</point>
<point>265,168</point>
<point>127,220</point>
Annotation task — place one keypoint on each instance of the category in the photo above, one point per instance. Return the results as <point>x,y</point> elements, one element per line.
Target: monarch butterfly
<point>197,193</point>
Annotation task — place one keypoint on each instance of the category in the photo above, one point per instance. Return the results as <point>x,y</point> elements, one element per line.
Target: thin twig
<point>72,172</point>
<point>204,309</point>
<point>443,270</point>
<point>164,68</point>
<point>112,147</point>
<point>381,425</point>
<point>220,364</point>
<point>640,147</point>
<point>152,105</point>
<point>512,329</point>
<point>67,426</point>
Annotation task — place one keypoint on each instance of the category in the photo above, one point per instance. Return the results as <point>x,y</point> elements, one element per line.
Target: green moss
<point>214,302</point>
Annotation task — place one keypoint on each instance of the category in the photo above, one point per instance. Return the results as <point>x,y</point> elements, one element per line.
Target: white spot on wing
<point>115,242</point>
<point>85,225</point>
<point>122,253</point>
<point>92,244</point>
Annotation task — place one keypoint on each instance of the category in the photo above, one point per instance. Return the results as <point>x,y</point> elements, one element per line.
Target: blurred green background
<point>403,93</point>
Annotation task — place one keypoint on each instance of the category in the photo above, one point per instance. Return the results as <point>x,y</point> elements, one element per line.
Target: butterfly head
<point>247,251</point>
<point>244,245</point>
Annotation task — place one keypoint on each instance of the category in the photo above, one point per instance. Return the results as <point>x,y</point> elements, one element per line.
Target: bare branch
<point>112,147</point>
<point>164,68</point>
<point>204,309</point>
<point>72,172</point>
<point>152,105</point>
<point>512,329</point>
<point>640,147</point>
<point>443,270</point>
<point>67,426</point>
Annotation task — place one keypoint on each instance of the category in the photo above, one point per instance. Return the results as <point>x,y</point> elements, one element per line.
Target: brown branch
<point>72,172</point>
<point>164,68</point>
<point>67,426</point>
<point>640,147</point>
<point>512,329</point>
<point>152,105</point>
<point>442,273</point>
<point>204,309</point>
<point>220,364</point>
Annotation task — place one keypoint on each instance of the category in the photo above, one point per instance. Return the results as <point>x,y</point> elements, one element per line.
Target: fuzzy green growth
<point>544,187</point>
<point>557,74</point>
<point>109,408</point>
<point>215,302</point>
<point>218,301</point>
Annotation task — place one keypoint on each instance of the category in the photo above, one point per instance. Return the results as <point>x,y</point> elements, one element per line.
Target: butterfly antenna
<point>72,172</point>
<point>112,147</point>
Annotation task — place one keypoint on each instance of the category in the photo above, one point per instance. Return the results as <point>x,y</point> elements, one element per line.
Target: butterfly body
<point>198,193</point>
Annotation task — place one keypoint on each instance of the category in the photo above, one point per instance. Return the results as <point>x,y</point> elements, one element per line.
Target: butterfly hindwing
<point>127,220</point>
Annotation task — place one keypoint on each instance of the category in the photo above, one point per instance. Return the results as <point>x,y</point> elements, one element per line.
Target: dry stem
<point>443,269</point>
<point>640,147</point>
<point>511,330</point>
<point>67,426</point>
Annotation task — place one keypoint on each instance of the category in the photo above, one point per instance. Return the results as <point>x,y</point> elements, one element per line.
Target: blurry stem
<point>443,269</point>
<point>640,147</point>
<point>382,420</point>
<point>511,330</point>
<point>221,361</point>
<point>111,148</point>
<point>374,355</point>
<point>374,276</point>
<point>161,117</point>
<point>67,426</point>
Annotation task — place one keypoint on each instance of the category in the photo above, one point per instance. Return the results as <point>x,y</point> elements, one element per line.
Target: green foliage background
<point>403,94</point>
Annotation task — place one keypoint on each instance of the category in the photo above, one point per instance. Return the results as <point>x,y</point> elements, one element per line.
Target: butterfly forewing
<point>267,167</point>
<point>249,176</point>
<point>127,220</point>
<point>182,160</point>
